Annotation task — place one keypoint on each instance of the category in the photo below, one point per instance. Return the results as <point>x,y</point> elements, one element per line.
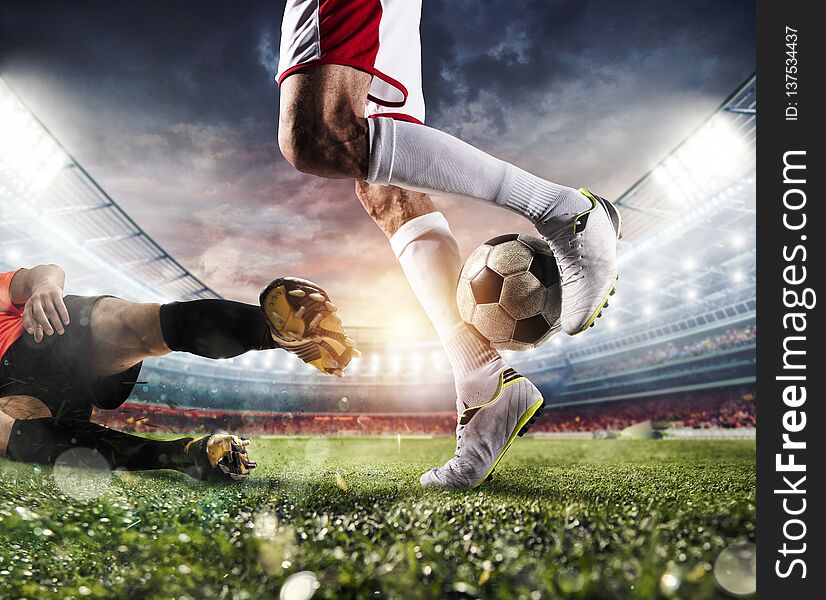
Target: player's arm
<point>40,289</point>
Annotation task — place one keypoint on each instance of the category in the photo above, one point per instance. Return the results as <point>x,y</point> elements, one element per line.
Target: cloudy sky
<point>172,107</point>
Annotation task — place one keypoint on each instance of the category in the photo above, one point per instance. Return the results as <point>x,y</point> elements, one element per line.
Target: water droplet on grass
<point>299,586</point>
<point>82,473</point>
<point>735,570</point>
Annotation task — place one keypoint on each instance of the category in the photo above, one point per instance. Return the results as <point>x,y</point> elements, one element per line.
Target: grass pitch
<point>561,519</point>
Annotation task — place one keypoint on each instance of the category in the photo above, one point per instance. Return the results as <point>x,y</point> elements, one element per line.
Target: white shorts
<point>380,37</point>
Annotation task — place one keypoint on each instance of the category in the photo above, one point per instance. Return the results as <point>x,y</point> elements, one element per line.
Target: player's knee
<point>324,145</point>
<point>298,150</point>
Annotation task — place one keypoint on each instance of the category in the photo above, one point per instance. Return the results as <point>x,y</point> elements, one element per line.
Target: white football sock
<point>429,256</point>
<point>423,159</point>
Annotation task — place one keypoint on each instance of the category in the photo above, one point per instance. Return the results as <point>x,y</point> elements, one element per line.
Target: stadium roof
<point>52,210</point>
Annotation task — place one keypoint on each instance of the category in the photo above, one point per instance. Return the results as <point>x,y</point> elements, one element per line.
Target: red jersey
<point>11,315</point>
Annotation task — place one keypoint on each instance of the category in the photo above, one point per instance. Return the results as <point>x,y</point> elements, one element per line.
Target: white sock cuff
<point>382,136</point>
<point>529,195</point>
<point>466,351</point>
<point>416,228</point>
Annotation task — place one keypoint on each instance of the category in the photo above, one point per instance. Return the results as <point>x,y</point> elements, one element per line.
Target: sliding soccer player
<point>62,355</point>
<point>352,107</point>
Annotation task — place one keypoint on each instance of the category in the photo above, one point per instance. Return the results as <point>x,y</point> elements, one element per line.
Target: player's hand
<point>303,321</point>
<point>44,312</point>
<point>221,456</point>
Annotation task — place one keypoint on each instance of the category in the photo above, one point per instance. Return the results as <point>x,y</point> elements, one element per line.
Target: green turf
<point>561,519</point>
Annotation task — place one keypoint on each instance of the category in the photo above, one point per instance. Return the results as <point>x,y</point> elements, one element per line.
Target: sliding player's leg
<point>124,333</point>
<point>29,433</point>
<point>323,131</point>
<point>493,402</point>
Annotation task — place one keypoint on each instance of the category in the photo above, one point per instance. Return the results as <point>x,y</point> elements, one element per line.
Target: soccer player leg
<point>43,440</point>
<point>321,133</point>
<point>124,333</point>
<point>493,403</point>
<point>214,328</point>
<point>581,228</point>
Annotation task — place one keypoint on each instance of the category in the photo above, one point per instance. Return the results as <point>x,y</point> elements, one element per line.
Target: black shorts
<point>57,370</point>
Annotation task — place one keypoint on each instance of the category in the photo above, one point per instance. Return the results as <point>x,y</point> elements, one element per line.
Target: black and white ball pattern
<point>509,290</point>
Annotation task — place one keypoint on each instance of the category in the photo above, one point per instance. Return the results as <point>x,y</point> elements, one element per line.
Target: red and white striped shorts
<point>380,37</point>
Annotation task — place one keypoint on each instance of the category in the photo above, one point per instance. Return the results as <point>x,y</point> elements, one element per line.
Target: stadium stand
<point>672,352</point>
<point>710,409</point>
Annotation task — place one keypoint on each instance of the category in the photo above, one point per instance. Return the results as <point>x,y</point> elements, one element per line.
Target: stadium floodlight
<point>710,159</point>
<point>679,227</point>
<point>12,255</point>
<point>689,264</point>
<point>29,158</point>
<point>648,310</point>
<point>439,360</point>
<point>738,276</point>
<point>691,294</point>
<point>649,284</point>
<point>416,363</point>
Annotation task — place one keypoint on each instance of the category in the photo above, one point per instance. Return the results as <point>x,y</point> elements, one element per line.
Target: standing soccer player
<point>352,108</point>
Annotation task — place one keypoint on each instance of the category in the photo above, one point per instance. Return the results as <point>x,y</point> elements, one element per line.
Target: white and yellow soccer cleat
<point>486,430</point>
<point>220,456</point>
<point>585,248</point>
<point>303,321</point>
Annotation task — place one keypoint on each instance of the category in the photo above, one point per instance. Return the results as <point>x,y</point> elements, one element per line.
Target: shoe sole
<point>524,424</point>
<point>616,219</point>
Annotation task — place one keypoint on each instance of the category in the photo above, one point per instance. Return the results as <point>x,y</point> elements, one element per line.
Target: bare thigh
<point>16,408</point>
<point>322,129</point>
<point>391,206</point>
<point>123,334</point>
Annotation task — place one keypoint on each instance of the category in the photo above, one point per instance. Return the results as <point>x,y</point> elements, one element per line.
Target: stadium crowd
<point>703,410</point>
<point>671,351</point>
<point>698,410</point>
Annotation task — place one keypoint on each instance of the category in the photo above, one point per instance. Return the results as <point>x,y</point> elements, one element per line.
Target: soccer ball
<point>509,290</point>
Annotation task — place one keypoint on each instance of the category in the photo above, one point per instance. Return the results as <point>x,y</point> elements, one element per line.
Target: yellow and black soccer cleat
<point>220,456</point>
<point>303,321</point>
